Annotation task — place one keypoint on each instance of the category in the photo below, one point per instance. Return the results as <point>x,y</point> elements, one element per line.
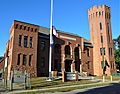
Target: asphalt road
<point>112,89</point>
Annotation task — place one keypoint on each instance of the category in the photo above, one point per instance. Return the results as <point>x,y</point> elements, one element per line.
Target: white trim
<point>69,38</point>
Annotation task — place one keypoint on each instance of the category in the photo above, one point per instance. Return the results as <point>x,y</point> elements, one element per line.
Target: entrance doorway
<point>77,66</point>
<point>68,65</point>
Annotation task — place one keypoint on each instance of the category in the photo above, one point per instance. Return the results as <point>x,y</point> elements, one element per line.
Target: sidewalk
<point>46,89</point>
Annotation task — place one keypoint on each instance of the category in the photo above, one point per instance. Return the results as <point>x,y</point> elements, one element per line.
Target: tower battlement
<point>98,8</point>
<point>99,11</point>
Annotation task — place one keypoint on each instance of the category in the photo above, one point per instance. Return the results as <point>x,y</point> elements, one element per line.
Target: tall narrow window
<point>24,59</point>
<point>100,51</point>
<point>18,62</point>
<point>31,29</point>
<point>25,41</point>
<point>35,30</point>
<point>42,62</point>
<point>99,13</point>
<point>111,51</point>
<point>28,29</point>
<point>20,39</point>
<point>16,26</point>
<point>88,52</point>
<point>30,60</point>
<point>30,42</point>
<point>101,39</point>
<point>100,26</point>
<point>88,65</point>
<point>108,32</point>
<point>20,26</point>
<point>24,27</point>
<point>42,45</point>
<point>104,51</point>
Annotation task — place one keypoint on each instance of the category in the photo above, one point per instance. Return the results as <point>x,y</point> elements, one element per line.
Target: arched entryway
<point>68,58</point>
<point>57,58</point>
<point>77,59</point>
<point>67,51</point>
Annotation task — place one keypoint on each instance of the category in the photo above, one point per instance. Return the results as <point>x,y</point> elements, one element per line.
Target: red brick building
<point>28,48</point>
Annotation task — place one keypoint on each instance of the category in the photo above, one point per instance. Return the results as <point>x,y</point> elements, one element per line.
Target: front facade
<point>22,52</point>
<point>28,49</point>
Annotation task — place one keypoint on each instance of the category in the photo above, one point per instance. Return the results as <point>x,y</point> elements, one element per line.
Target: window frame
<point>31,43</point>
<point>18,60</point>
<point>20,40</point>
<point>25,41</point>
<point>30,60</point>
<point>24,59</point>
<point>100,26</point>
<point>42,45</point>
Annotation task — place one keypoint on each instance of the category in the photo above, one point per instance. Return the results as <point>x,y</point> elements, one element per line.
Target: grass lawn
<point>40,82</point>
<point>114,78</point>
<point>66,89</point>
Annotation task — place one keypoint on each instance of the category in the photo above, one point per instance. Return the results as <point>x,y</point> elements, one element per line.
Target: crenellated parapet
<point>99,11</point>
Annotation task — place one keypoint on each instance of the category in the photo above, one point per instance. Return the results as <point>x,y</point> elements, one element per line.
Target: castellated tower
<point>101,38</point>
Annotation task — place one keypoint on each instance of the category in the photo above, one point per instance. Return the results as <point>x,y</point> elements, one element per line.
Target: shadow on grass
<point>114,88</point>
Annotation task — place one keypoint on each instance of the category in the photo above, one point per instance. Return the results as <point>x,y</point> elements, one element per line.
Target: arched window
<point>96,14</point>
<point>100,26</point>
<point>99,13</point>
<point>76,53</point>
<point>108,32</point>
<point>67,49</point>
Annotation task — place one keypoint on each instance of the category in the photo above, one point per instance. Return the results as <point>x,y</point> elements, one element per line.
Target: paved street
<point>112,89</point>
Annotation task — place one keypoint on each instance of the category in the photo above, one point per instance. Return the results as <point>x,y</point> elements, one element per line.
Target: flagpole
<point>51,42</point>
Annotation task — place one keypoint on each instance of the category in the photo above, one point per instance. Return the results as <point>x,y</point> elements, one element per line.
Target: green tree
<point>117,51</point>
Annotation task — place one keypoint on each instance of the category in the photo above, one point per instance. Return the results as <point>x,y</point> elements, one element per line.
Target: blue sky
<point>69,15</point>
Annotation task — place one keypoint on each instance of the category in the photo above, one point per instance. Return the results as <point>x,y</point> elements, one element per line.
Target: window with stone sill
<point>25,41</point>
<point>30,42</point>
<point>20,40</point>
<point>42,45</point>
<point>18,61</point>
<point>24,59</point>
